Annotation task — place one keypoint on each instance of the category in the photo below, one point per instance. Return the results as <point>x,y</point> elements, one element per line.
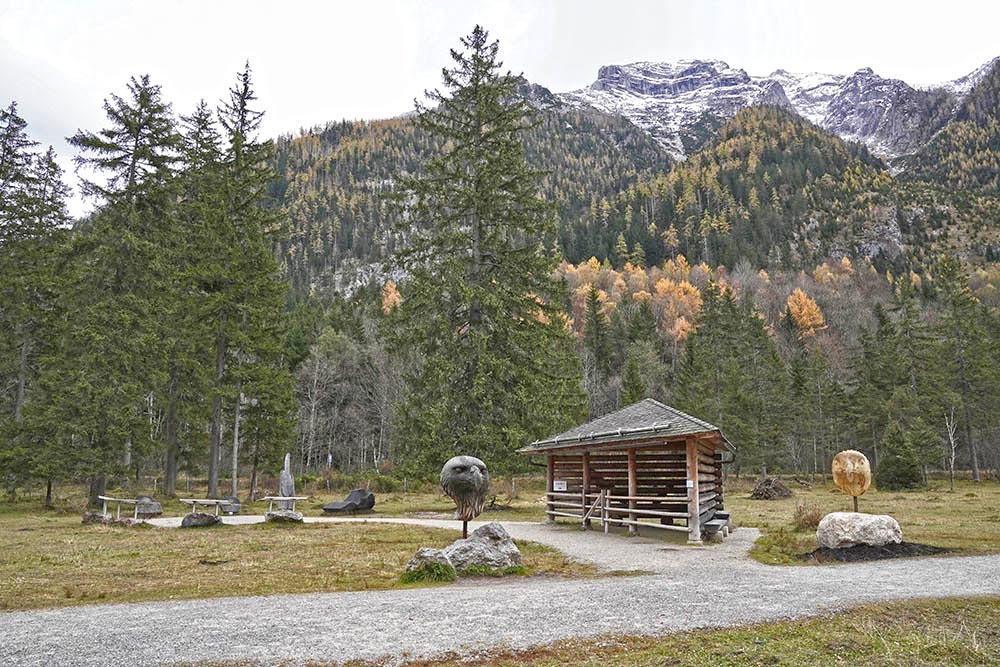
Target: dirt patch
<point>863,552</point>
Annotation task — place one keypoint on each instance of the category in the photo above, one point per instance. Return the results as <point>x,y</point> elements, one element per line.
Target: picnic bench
<point>118,506</point>
<point>276,499</point>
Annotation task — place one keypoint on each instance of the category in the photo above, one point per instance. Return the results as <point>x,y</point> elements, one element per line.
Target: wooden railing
<point>563,504</point>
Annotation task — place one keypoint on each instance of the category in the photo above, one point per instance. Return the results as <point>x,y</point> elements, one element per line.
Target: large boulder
<point>199,520</point>
<point>147,507</point>
<point>425,556</point>
<point>839,530</point>
<point>283,516</point>
<point>429,565</point>
<point>489,547</point>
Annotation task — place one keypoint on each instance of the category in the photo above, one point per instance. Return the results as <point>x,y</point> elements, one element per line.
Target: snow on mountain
<point>809,94</point>
<point>961,86</point>
<point>673,101</point>
<point>681,103</point>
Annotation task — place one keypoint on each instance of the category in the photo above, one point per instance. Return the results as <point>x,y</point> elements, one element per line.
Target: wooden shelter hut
<point>646,465</point>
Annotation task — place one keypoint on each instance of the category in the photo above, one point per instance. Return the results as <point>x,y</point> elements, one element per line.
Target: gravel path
<point>692,587</point>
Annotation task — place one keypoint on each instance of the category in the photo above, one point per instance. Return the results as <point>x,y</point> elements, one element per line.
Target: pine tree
<point>966,354</point>
<point>242,294</point>
<point>596,336</point>
<point>98,378</point>
<point>32,217</point>
<point>480,305</point>
<point>633,385</point>
<point>899,467</point>
<point>731,375</point>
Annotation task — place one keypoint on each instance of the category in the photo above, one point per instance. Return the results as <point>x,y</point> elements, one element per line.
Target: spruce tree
<point>108,359</point>
<point>596,335</point>
<point>480,306</point>
<point>970,368</point>
<point>32,220</point>
<point>633,384</point>
<point>731,375</point>
<point>242,293</point>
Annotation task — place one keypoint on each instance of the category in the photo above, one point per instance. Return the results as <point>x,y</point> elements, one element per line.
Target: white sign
<point>690,483</point>
<point>558,485</point>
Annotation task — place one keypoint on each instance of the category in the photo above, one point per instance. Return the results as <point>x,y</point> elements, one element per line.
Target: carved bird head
<point>465,480</point>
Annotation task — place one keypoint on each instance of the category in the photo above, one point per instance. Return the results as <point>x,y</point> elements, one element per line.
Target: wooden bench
<point>118,506</point>
<point>277,499</point>
<point>717,525</point>
<point>207,502</point>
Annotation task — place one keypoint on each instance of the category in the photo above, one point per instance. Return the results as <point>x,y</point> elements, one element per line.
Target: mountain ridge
<point>674,101</point>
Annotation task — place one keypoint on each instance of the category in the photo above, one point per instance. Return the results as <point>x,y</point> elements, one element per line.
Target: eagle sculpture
<point>465,480</point>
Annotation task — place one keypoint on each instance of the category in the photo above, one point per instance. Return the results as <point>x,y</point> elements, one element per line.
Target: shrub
<point>428,573</point>
<point>807,517</point>
<point>384,484</point>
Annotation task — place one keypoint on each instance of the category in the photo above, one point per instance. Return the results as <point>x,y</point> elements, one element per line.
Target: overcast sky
<point>315,62</point>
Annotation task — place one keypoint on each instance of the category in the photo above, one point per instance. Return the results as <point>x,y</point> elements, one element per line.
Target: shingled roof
<point>647,419</point>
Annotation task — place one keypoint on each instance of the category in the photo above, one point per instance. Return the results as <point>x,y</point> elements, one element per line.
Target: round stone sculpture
<point>851,472</point>
<point>465,480</point>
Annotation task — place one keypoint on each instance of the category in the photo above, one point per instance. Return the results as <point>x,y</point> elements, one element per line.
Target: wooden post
<point>586,486</point>
<point>694,507</point>
<point>633,490</point>
<point>550,475</point>
<point>604,510</point>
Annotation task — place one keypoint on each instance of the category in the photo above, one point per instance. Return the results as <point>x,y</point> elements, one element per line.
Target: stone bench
<point>205,502</point>
<point>278,499</point>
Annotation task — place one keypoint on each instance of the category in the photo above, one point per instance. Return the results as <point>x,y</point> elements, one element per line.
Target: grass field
<point>966,520</point>
<point>56,561</point>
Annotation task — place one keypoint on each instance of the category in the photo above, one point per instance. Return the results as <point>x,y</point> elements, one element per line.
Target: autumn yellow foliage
<point>390,297</point>
<point>805,313</point>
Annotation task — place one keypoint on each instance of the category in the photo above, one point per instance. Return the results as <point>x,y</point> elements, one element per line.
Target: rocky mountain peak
<point>679,103</point>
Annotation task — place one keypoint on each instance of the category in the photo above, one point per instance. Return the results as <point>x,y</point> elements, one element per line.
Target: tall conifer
<point>480,304</point>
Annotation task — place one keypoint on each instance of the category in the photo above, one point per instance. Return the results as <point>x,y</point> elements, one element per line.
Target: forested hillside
<point>966,153</point>
<point>770,187</point>
<point>334,183</point>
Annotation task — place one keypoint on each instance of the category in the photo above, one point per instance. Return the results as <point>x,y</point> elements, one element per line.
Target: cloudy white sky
<point>320,61</point>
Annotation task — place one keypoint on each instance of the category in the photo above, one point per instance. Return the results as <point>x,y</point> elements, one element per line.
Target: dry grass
<point>946,633</point>
<point>966,520</point>
<point>56,561</point>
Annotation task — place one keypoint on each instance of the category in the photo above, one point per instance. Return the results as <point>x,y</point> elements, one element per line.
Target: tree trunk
<point>216,432</point>
<point>253,473</point>
<point>976,475</point>
<point>171,428</point>
<point>22,376</point>
<point>97,488</point>
<point>236,438</point>
<point>48,493</point>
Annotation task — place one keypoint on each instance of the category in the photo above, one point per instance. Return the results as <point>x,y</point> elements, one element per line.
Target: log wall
<point>658,495</point>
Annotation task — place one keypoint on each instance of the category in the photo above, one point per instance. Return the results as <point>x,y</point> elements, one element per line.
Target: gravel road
<point>689,587</point>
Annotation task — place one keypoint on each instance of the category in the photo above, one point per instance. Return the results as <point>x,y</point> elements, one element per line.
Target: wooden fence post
<point>550,475</point>
<point>694,507</point>
<point>633,490</point>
